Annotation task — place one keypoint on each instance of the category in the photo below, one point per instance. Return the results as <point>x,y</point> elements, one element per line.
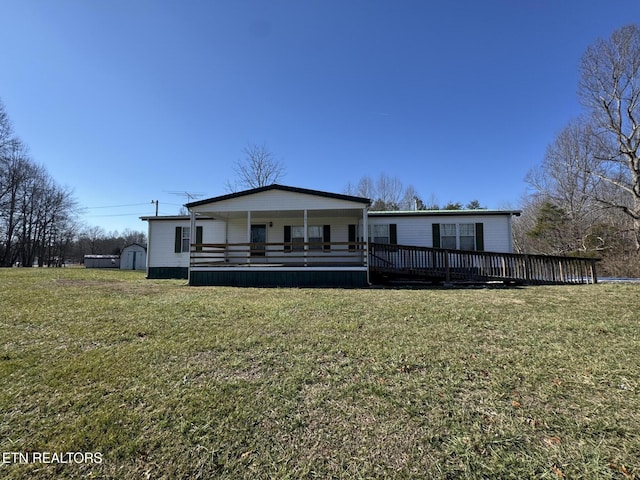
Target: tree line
<point>259,168</point>
<point>585,195</point>
<point>388,193</point>
<point>36,214</point>
<point>38,217</point>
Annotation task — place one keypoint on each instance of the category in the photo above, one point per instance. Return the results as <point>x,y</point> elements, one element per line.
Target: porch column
<point>249,236</point>
<point>365,235</point>
<point>192,239</point>
<point>306,238</point>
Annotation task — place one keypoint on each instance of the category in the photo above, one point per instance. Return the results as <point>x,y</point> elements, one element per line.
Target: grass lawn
<point>169,381</point>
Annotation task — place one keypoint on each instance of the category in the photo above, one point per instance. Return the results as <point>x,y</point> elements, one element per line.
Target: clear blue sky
<point>125,101</point>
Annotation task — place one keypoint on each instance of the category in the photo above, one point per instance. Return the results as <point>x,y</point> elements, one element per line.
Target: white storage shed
<point>133,257</point>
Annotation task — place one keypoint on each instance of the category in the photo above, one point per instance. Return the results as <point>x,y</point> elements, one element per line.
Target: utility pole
<point>156,202</point>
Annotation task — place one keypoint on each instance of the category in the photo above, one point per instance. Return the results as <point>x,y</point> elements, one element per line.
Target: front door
<point>258,240</point>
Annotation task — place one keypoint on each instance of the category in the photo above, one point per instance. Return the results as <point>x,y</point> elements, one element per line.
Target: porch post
<point>249,236</point>
<point>306,238</point>
<point>192,239</point>
<point>365,235</point>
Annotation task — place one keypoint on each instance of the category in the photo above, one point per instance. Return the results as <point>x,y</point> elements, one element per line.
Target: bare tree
<point>569,210</point>
<point>610,89</point>
<point>36,214</point>
<point>258,168</point>
<point>564,183</point>
<point>364,188</point>
<point>386,193</point>
<point>389,192</point>
<point>15,170</point>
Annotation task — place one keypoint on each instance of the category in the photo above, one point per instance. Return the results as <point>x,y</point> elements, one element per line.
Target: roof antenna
<point>189,196</point>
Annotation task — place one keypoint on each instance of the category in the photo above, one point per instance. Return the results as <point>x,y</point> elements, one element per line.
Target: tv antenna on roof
<point>188,195</point>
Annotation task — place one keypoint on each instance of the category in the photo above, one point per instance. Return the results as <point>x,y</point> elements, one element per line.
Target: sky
<point>130,101</point>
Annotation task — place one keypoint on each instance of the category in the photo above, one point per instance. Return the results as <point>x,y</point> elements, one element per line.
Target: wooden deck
<point>440,265</point>
<point>278,254</point>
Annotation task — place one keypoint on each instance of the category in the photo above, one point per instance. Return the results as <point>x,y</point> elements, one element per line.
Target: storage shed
<point>133,257</point>
<point>102,261</point>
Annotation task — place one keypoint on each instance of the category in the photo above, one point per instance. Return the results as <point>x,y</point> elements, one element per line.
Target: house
<point>133,257</point>
<point>288,236</point>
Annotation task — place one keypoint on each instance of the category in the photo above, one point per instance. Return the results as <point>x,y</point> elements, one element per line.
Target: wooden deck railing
<point>451,265</point>
<point>309,254</point>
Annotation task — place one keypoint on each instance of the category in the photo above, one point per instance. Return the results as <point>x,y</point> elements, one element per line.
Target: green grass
<point>170,381</point>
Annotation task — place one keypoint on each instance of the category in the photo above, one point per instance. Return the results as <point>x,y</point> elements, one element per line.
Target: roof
<point>440,213</point>
<point>285,188</point>
<point>173,217</point>
<point>135,244</point>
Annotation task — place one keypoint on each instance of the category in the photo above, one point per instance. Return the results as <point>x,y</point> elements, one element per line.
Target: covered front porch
<point>283,237</point>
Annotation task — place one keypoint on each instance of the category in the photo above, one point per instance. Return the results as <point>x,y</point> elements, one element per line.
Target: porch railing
<point>451,265</point>
<point>303,254</point>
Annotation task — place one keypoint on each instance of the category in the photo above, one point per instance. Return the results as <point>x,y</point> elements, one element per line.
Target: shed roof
<point>135,244</point>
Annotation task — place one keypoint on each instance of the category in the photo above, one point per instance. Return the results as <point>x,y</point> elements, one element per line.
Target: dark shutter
<point>393,234</point>
<point>287,238</point>
<point>198,238</point>
<point>352,237</point>
<point>326,237</point>
<point>479,236</point>
<point>435,229</point>
<point>178,244</point>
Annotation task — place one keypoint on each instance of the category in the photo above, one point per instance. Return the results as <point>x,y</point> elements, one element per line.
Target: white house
<point>287,236</point>
<point>133,257</point>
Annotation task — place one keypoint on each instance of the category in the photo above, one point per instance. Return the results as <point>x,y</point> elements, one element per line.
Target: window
<point>467,236</point>
<point>186,231</point>
<point>297,237</point>
<point>448,236</point>
<point>379,233</point>
<point>317,234</point>
<point>183,240</point>
<point>181,243</point>
<point>463,236</point>
<point>315,237</point>
<point>385,233</point>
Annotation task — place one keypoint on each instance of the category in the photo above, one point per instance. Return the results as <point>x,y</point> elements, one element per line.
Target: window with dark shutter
<point>199,238</point>
<point>352,237</point>
<point>479,236</point>
<point>178,240</point>
<point>435,234</point>
<point>326,237</point>
<point>393,234</point>
<point>287,238</point>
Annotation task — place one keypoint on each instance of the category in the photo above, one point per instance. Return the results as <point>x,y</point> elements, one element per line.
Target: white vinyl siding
<point>417,229</point>
<point>161,241</point>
